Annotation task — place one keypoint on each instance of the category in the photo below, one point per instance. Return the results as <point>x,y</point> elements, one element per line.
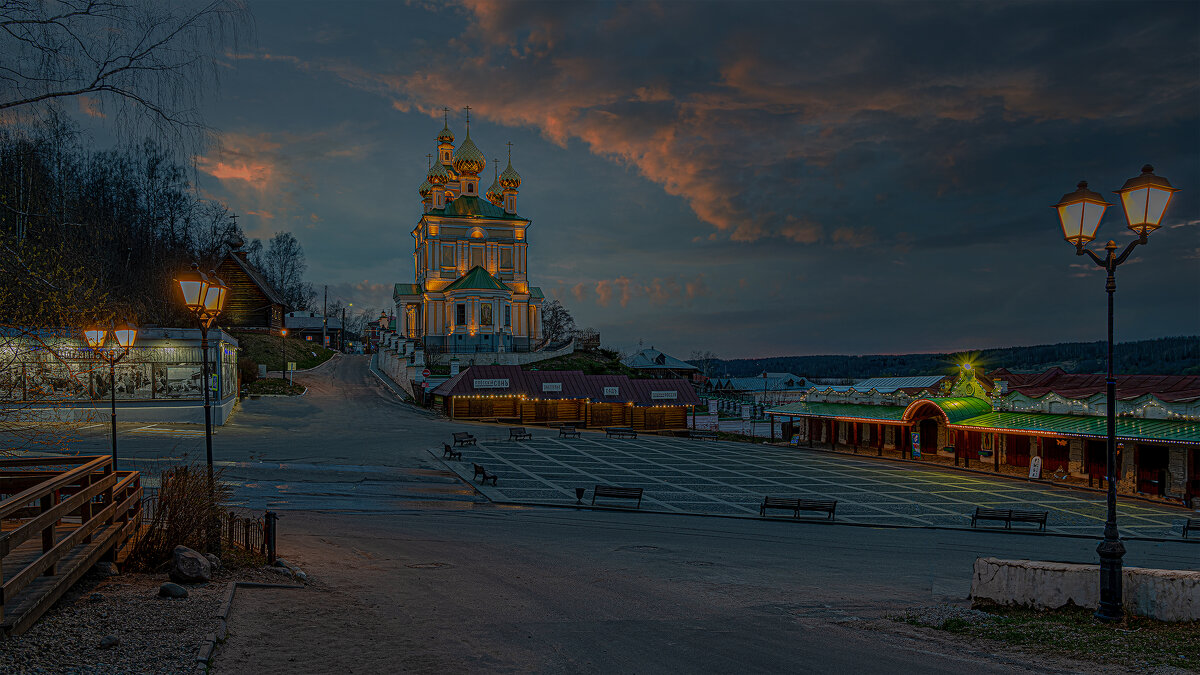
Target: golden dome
<point>494,194</point>
<point>510,179</point>
<point>468,160</point>
<point>446,136</point>
<point>425,189</point>
<point>438,174</point>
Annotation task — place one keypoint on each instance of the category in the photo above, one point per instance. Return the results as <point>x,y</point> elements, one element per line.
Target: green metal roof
<point>881,413</point>
<point>1128,428</point>
<point>406,289</point>
<point>473,207</point>
<point>477,279</point>
<point>535,292</point>
<point>957,408</point>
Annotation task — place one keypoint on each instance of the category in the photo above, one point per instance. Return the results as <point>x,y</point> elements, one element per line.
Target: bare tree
<point>704,360</point>
<point>557,322</point>
<point>284,265</point>
<point>148,62</point>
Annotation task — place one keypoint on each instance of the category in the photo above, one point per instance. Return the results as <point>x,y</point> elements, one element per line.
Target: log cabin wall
<point>248,305</point>
<point>600,415</point>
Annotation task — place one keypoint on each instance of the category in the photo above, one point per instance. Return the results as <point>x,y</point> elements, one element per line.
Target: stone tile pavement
<point>691,476</point>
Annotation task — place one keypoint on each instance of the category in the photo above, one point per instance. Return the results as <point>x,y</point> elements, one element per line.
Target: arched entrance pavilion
<point>929,417</point>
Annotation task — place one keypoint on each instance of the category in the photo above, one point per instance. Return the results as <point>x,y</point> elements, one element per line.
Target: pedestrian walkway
<point>688,476</point>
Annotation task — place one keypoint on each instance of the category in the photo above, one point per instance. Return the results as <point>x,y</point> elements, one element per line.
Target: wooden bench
<point>617,493</point>
<point>700,433</point>
<point>484,475</point>
<point>1010,516</point>
<point>463,438</point>
<point>568,432</point>
<point>1189,525</point>
<point>450,452</point>
<point>519,434</point>
<point>797,505</point>
<point>620,432</point>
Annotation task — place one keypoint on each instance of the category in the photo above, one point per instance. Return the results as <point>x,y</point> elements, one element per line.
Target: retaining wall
<point>1166,595</point>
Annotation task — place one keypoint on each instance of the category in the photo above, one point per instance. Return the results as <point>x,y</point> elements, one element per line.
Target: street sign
<point>1035,467</point>
<point>425,373</point>
<point>291,365</point>
<point>424,385</point>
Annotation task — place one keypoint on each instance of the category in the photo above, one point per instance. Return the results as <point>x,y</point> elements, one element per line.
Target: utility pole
<point>325,319</point>
<point>343,340</point>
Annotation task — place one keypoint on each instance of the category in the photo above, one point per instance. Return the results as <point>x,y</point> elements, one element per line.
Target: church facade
<point>471,291</point>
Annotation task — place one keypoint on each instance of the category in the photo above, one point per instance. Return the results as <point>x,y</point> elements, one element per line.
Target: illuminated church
<point>472,291</point>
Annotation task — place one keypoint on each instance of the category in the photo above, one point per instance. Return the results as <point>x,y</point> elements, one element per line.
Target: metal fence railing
<point>243,530</point>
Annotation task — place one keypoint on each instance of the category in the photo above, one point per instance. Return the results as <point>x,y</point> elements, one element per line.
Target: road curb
<point>208,646</point>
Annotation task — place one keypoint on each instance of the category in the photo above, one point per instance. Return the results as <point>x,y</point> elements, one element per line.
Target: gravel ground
<point>157,635</point>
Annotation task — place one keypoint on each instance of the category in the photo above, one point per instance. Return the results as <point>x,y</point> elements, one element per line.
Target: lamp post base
<point>1111,552</point>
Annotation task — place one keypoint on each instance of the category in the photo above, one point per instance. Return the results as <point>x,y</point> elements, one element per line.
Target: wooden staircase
<point>59,516</point>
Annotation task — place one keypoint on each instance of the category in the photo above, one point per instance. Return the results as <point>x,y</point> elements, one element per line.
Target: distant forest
<point>1161,356</point>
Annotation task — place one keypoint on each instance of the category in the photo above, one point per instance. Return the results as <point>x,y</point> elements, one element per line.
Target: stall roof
<point>1128,428</point>
<point>877,413</point>
<point>564,384</point>
<point>1085,385</point>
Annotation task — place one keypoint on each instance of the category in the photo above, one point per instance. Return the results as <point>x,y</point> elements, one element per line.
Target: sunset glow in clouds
<point>781,180</point>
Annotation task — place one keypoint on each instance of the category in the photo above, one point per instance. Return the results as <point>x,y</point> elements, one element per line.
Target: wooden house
<point>253,303</point>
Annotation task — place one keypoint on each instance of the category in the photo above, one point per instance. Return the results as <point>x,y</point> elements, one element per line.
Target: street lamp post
<point>1144,200</point>
<point>125,334</point>
<point>204,296</point>
<point>283,353</point>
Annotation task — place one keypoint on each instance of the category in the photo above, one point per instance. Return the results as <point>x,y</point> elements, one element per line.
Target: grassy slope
<point>265,349</point>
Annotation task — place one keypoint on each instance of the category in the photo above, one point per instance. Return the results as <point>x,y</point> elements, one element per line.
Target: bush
<point>181,515</point>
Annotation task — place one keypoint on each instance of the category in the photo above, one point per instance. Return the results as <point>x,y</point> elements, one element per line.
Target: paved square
<point>687,476</point>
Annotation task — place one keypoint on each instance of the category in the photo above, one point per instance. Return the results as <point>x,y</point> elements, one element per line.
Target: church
<point>471,292</point>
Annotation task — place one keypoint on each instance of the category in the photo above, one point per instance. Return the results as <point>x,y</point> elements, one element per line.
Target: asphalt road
<point>416,572</point>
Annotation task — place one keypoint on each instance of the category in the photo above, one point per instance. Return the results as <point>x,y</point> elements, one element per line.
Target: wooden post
<point>772,428</point>
<point>85,509</point>
<point>47,503</point>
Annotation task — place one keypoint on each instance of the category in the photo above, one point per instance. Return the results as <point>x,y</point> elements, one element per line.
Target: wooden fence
<point>59,516</point>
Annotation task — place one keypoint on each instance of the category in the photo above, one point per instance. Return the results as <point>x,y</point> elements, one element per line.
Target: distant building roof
<point>473,206</point>
<point>565,384</point>
<point>893,383</point>
<point>305,320</point>
<point>772,382</point>
<point>652,359</point>
<point>1084,385</point>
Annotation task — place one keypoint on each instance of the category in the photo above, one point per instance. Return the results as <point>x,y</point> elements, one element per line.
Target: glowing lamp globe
<point>126,334</point>
<point>1145,199</point>
<point>95,337</point>
<point>1080,212</point>
<point>194,286</point>
<point>214,295</point>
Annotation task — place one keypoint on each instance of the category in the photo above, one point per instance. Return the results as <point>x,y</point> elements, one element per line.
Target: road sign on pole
<point>425,373</point>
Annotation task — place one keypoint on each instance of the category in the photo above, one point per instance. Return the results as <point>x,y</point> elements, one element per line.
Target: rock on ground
<point>189,567</point>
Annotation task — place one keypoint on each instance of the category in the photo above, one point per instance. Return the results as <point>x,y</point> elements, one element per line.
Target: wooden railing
<point>79,514</point>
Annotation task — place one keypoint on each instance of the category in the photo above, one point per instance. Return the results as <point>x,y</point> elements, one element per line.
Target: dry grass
<point>187,510</point>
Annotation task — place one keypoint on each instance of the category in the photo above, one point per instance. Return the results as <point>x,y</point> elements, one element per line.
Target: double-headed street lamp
<point>204,296</point>
<point>1144,200</point>
<point>125,334</point>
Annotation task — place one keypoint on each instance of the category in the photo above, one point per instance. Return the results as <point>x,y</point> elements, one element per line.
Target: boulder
<point>170,590</point>
<point>109,641</point>
<point>189,567</point>
<point>214,561</point>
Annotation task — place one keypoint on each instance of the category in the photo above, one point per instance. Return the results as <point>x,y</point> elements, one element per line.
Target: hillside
<point>1161,356</point>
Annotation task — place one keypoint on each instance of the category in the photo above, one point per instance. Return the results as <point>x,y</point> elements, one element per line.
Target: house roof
<point>1169,388</point>
<point>478,279</point>
<point>310,320</point>
<point>257,278</point>
<point>651,359</point>
<point>1133,429</point>
<point>473,207</point>
<point>772,382</point>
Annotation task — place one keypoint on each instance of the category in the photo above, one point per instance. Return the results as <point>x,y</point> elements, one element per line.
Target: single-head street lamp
<point>204,295</point>
<point>125,334</point>
<point>1144,200</point>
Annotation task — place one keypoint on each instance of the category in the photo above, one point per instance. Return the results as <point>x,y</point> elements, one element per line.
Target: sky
<point>752,178</point>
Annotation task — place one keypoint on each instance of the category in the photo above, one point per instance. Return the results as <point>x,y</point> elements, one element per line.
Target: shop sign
<point>664,395</point>
<point>499,383</point>
<point>1035,467</point>
<point>916,445</point>
<point>552,386</point>
<point>612,391</point>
